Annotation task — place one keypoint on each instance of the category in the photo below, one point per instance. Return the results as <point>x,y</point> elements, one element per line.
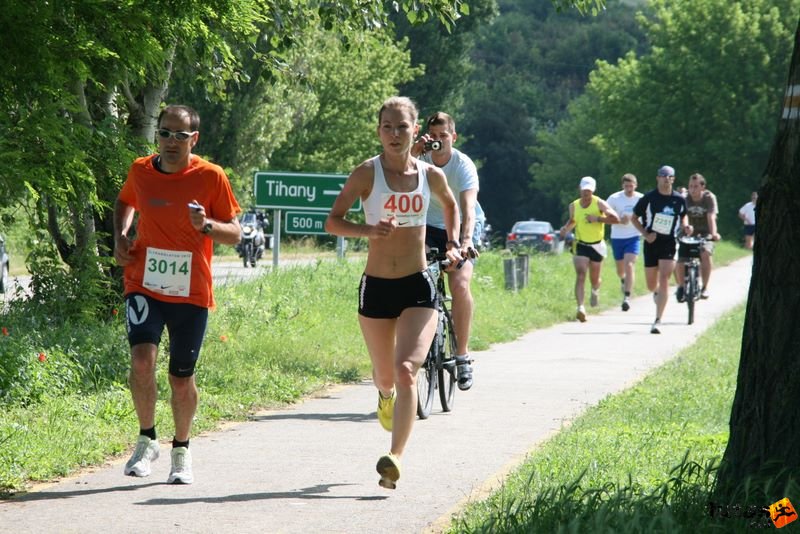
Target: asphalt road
<point>310,467</point>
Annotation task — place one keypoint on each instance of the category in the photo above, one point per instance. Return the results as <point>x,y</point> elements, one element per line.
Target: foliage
<point>529,64</point>
<point>705,99</point>
<point>445,54</point>
<point>569,152</point>
<point>85,83</point>
<point>609,471</point>
<point>349,84</point>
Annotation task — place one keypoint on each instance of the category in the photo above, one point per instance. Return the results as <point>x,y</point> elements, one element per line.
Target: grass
<point>269,343</point>
<point>641,461</point>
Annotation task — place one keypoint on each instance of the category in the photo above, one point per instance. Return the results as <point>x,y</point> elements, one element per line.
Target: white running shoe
<point>181,472</point>
<point>581,314</point>
<point>146,451</point>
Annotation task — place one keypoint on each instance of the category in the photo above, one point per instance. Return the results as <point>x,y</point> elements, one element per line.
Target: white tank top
<point>409,208</point>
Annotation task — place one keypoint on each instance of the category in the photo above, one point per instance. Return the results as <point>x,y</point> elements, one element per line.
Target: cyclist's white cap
<point>587,182</point>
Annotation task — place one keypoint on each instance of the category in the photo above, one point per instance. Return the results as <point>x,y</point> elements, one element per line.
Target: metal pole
<point>276,233</point>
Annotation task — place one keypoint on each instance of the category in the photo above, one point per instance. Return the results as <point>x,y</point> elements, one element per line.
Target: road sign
<point>306,191</point>
<point>305,222</point>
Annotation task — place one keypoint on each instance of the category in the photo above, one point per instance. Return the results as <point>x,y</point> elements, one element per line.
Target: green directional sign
<point>305,222</point>
<point>306,191</point>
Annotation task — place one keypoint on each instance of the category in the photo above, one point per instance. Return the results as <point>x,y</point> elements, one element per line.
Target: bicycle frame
<point>691,279</point>
<point>438,370</point>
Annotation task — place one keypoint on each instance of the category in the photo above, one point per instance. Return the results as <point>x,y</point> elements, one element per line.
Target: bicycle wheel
<point>691,290</point>
<point>426,383</point>
<point>446,368</point>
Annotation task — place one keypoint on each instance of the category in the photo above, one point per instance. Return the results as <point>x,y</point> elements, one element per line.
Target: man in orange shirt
<point>184,204</point>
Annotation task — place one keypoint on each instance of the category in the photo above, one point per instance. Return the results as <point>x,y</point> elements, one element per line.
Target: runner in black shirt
<point>658,216</point>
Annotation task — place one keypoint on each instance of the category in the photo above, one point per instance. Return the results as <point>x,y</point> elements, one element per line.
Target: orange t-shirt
<point>172,260</point>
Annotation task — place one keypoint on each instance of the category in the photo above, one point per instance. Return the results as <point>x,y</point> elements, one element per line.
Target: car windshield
<point>533,227</point>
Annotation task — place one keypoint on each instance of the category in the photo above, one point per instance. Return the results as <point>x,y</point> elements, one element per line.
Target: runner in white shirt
<point>625,237</point>
<point>747,214</point>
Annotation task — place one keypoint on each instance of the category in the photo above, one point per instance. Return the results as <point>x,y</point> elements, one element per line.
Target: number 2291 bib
<point>168,272</point>
<point>407,208</point>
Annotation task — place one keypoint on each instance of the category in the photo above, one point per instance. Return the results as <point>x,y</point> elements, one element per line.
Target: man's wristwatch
<point>456,244</point>
<point>207,227</point>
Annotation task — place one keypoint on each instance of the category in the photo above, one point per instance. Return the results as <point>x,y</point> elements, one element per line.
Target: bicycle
<point>689,248</point>
<point>439,369</point>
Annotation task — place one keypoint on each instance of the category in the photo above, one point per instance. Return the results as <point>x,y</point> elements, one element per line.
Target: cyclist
<point>588,215</point>
<point>624,236</point>
<point>701,207</point>
<point>396,297</point>
<point>657,216</point>
<point>462,177</point>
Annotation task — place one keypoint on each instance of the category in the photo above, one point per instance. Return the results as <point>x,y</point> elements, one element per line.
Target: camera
<point>433,145</point>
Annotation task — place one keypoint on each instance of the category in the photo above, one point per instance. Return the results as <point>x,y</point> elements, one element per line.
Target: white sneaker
<point>581,314</point>
<point>146,451</point>
<point>181,472</point>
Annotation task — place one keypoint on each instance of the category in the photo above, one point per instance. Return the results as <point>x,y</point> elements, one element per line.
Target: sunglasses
<point>163,133</point>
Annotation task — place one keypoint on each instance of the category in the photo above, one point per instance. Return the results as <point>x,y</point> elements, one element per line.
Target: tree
<point>701,99</point>
<point>85,82</point>
<point>445,54</point>
<point>529,64</point>
<point>763,445</point>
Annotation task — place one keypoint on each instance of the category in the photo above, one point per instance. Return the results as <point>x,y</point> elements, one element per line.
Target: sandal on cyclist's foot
<point>389,469</point>
<point>464,372</point>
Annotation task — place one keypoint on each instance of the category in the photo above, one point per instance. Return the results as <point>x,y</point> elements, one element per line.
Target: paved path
<point>310,468</point>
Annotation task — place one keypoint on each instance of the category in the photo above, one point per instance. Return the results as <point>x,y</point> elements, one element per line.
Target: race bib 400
<point>407,208</point>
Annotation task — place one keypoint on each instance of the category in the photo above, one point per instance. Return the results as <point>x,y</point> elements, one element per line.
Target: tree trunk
<point>764,443</point>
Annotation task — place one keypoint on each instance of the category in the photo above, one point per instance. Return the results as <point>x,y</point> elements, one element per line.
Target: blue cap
<point>666,170</point>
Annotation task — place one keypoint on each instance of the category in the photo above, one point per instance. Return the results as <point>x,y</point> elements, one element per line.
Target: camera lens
<point>433,145</point>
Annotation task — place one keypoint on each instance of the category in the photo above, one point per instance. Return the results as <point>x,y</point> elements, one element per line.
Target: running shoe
<point>654,329</point>
<point>594,298</point>
<point>386,410</point>
<point>626,303</point>
<point>704,293</point>
<point>181,472</point>
<point>146,451</point>
<point>581,314</point>
<point>680,294</point>
<point>389,469</point>
<point>463,372</point>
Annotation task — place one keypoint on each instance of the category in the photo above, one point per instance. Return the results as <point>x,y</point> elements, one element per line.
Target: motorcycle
<point>252,245</point>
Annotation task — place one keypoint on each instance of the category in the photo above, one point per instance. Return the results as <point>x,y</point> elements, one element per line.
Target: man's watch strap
<point>207,227</point>
<point>455,244</point>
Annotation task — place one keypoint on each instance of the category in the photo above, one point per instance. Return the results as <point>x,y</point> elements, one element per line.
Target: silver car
<point>535,235</point>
